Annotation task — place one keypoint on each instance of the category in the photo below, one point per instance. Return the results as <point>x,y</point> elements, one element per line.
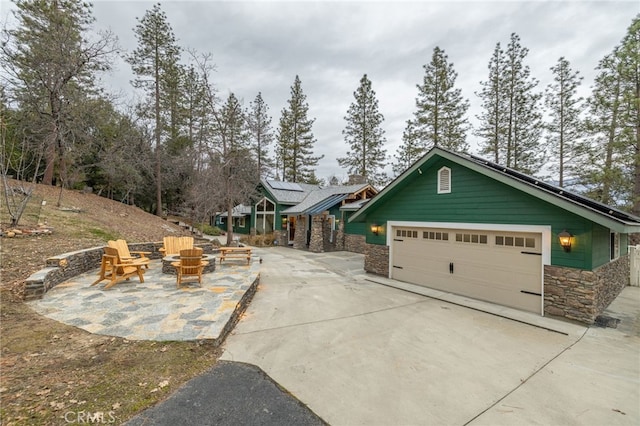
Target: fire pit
<point>168,269</point>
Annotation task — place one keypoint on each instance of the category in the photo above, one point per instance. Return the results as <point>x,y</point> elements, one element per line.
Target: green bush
<point>209,230</point>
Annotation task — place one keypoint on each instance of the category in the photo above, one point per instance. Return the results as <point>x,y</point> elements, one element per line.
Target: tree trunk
<point>229,224</point>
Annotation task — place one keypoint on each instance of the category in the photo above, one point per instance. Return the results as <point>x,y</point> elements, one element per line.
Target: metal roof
<point>321,199</point>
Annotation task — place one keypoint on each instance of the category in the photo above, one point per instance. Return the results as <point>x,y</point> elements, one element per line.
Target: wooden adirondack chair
<point>125,254</point>
<point>189,265</point>
<point>173,245</point>
<point>115,269</point>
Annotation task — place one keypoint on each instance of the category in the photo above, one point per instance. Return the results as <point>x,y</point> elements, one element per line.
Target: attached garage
<point>503,266</point>
<point>463,225</point>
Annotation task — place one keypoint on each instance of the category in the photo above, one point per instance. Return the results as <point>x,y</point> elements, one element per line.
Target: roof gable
<point>582,206</point>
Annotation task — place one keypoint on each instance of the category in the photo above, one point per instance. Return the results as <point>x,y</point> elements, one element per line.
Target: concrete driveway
<point>361,353</point>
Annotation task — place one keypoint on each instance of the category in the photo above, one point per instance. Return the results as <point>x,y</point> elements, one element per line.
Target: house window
<point>265,216</point>
<point>241,222</point>
<point>444,180</point>
<point>615,245</point>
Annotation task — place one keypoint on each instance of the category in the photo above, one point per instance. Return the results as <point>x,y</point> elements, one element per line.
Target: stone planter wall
<point>376,259</point>
<point>67,265</point>
<point>583,295</point>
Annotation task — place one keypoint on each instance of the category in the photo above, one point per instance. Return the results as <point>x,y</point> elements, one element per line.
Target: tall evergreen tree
<point>410,151</point>
<point>296,140</point>
<point>440,118</point>
<point>155,64</point>
<point>510,125</point>
<point>232,155</point>
<point>565,128</point>
<point>261,134</point>
<point>50,65</point>
<point>613,125</point>
<point>492,126</point>
<point>629,54</point>
<point>365,136</point>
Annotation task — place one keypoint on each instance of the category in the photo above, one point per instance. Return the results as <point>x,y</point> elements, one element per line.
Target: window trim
<point>444,189</point>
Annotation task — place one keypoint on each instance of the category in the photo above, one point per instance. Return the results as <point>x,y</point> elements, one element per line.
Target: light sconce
<point>565,240</point>
<point>376,229</point>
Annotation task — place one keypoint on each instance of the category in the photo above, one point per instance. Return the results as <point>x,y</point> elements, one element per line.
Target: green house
<point>290,209</point>
<point>241,219</point>
<point>464,225</point>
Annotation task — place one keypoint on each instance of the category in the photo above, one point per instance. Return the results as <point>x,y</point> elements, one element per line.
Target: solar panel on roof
<point>287,186</point>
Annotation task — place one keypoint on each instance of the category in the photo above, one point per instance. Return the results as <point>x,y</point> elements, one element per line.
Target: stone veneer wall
<point>65,266</point>
<point>583,295</point>
<point>323,238</point>
<point>316,242</point>
<point>281,236</point>
<point>376,259</point>
<point>340,237</point>
<point>300,236</point>
<point>355,243</point>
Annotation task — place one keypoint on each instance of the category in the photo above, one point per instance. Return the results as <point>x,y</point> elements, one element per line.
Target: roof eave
<point>578,209</point>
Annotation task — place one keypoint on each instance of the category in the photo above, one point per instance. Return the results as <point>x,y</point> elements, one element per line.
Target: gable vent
<point>444,180</point>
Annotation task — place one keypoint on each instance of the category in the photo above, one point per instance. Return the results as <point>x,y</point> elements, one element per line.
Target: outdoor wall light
<point>376,229</point>
<point>565,240</point>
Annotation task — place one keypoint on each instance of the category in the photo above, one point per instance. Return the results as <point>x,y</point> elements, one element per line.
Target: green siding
<point>601,246</point>
<point>624,244</point>
<point>476,198</point>
<point>353,228</point>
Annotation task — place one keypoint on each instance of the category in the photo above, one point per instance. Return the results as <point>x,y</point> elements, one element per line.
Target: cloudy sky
<point>261,46</point>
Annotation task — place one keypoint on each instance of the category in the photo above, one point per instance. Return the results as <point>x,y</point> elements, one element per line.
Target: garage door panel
<point>500,267</point>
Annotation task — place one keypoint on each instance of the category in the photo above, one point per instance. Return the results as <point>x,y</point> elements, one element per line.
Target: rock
<point>11,234</point>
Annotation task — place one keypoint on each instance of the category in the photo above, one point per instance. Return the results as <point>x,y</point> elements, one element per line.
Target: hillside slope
<point>82,221</point>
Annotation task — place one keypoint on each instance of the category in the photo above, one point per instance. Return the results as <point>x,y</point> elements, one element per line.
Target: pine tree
<point>295,139</point>
<point>259,127</point>
<point>565,130</point>
<point>612,174</point>
<point>410,151</point>
<point>237,173</point>
<point>492,119</point>
<point>154,62</point>
<point>525,120</point>
<point>364,135</point>
<point>440,119</point>
<point>50,65</point>
<point>510,125</point>
<point>629,54</point>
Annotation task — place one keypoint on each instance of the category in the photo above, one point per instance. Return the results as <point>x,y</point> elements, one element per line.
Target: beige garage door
<point>496,266</point>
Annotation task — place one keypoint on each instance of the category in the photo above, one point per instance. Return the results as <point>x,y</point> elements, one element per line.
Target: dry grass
<point>48,369</point>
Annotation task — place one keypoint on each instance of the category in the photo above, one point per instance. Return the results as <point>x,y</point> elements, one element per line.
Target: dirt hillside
<point>54,374</point>
<point>83,220</point>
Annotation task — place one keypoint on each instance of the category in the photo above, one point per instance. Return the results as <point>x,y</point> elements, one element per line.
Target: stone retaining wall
<point>63,267</point>
<point>583,295</point>
<point>376,259</point>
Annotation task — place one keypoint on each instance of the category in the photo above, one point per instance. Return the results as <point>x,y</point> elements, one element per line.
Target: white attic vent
<point>444,180</point>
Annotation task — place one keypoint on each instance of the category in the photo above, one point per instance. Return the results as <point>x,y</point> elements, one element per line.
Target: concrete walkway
<point>361,353</point>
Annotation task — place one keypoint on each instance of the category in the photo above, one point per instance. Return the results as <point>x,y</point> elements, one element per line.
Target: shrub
<point>262,240</point>
<point>209,230</point>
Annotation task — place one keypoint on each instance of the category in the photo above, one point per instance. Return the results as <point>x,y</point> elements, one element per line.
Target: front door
<point>291,228</point>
